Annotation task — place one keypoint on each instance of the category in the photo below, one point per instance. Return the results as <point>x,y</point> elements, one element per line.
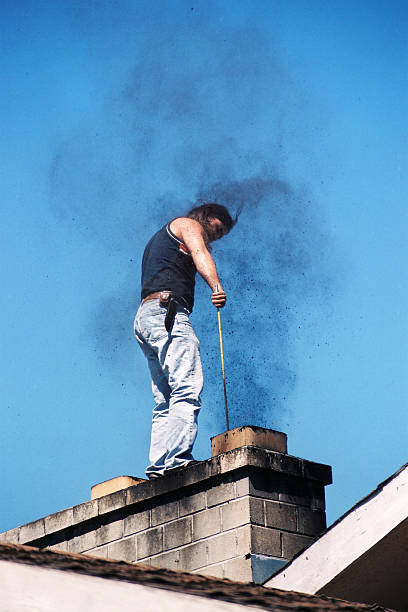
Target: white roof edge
<point>348,538</point>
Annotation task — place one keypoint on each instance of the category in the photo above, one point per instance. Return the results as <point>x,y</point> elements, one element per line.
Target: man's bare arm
<point>191,233</point>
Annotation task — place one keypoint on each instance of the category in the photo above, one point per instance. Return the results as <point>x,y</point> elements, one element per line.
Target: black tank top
<point>167,265</point>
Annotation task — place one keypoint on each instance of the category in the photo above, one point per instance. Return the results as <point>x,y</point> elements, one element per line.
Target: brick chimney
<point>241,514</point>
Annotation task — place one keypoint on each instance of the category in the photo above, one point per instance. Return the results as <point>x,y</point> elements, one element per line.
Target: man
<point>164,332</point>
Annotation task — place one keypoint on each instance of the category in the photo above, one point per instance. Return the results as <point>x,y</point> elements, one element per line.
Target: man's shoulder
<point>177,225</point>
<point>183,221</point>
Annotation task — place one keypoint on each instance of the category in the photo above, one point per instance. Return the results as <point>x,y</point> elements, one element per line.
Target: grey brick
<point>239,569</point>
<point>311,522</point>
<point>265,541</point>
<point>11,536</point>
<point>32,531</point>
<point>136,522</point>
<point>215,571</point>
<point>317,496</point>
<point>101,551</point>
<point>82,543</point>
<point>295,499</point>
<point>318,503</point>
<point>149,542</point>
<point>257,511</point>
<point>243,538</point>
<point>222,547</point>
<point>168,560</point>
<point>140,492</point>
<point>242,487</point>
<point>124,550</point>
<point>264,484</point>
<point>86,511</point>
<point>112,502</point>
<point>178,533</point>
<point>235,513</point>
<point>109,533</point>
<point>178,479</point>
<point>220,494</point>
<point>145,562</point>
<point>61,547</point>
<point>280,516</point>
<point>192,503</point>
<point>58,521</point>
<point>164,513</point>
<point>292,543</point>
<point>206,523</point>
<point>193,556</point>
<point>296,491</point>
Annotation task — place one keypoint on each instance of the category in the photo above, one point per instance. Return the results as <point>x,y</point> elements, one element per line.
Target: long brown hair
<point>212,210</point>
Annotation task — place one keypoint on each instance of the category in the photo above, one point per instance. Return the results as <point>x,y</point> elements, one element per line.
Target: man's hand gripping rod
<point>222,362</point>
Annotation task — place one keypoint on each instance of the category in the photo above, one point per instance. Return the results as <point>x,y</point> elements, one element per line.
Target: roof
<point>363,555</point>
<point>181,582</point>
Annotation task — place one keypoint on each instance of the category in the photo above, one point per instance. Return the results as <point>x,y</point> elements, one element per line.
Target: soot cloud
<point>208,114</point>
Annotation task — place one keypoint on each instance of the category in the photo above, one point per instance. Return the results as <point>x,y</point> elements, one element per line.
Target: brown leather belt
<point>152,296</point>
<point>170,302</point>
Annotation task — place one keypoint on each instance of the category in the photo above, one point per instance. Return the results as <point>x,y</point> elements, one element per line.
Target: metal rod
<point>222,364</point>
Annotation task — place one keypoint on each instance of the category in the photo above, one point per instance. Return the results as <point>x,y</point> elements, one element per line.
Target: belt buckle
<point>164,298</point>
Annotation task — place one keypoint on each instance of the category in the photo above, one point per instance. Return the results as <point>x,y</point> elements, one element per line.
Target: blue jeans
<point>177,381</point>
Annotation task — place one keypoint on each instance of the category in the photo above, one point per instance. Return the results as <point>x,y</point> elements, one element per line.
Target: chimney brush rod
<point>222,362</point>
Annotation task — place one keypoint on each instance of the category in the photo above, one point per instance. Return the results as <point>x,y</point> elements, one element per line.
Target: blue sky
<point>115,117</point>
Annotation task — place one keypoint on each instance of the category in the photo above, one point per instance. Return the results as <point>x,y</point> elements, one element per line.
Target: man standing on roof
<point>164,332</point>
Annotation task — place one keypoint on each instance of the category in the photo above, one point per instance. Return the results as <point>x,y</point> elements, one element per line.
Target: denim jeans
<point>177,381</point>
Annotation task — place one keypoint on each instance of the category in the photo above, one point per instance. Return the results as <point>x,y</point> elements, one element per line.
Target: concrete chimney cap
<point>249,435</point>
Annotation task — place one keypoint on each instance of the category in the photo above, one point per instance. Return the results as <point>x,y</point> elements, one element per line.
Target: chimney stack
<point>241,514</point>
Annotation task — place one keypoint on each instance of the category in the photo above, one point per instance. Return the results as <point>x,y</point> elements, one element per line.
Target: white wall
<point>25,588</point>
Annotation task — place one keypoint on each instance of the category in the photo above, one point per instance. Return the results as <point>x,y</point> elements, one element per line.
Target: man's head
<point>214,219</point>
